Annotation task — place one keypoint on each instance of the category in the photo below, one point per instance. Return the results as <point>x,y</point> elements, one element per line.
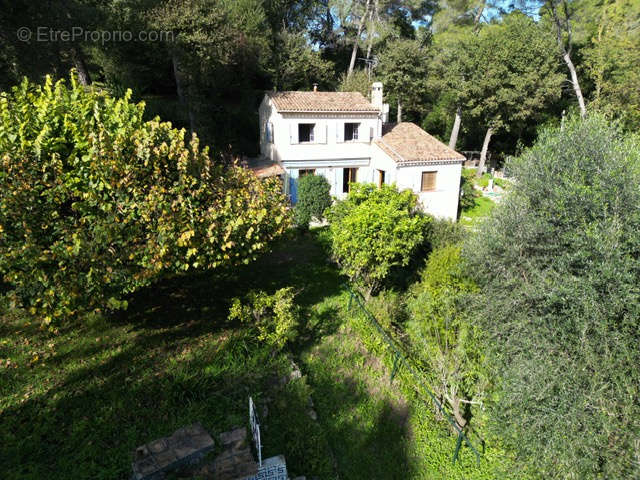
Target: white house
<point>343,136</point>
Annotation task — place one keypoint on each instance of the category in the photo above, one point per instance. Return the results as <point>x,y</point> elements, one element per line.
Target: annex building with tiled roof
<point>346,138</point>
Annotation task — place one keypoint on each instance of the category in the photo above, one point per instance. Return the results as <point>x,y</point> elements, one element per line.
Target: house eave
<point>419,163</point>
<point>371,112</point>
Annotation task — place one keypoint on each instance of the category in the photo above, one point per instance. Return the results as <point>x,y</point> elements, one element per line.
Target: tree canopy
<point>373,230</point>
<point>96,202</point>
<point>477,62</point>
<point>557,267</point>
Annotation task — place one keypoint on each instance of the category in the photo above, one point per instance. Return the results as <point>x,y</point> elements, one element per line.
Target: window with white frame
<point>306,132</point>
<point>351,131</point>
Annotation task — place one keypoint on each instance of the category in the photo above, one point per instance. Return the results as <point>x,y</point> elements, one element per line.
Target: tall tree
<point>404,68</point>
<point>558,271</point>
<point>372,21</point>
<point>513,75</point>
<point>452,73</point>
<point>612,57</point>
<point>561,13</point>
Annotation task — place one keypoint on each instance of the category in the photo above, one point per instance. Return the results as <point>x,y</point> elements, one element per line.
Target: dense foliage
<point>442,334</point>
<point>557,265</point>
<point>204,64</point>
<point>468,193</point>
<point>274,317</point>
<point>373,230</point>
<point>95,202</point>
<point>313,199</point>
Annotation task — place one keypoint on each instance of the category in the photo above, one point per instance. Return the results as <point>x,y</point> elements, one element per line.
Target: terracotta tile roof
<point>321,102</point>
<point>263,167</point>
<point>407,143</point>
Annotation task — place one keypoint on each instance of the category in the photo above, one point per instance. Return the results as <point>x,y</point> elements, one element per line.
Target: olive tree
<point>557,264</point>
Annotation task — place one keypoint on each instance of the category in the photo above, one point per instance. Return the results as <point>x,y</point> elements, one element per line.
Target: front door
<point>293,189</point>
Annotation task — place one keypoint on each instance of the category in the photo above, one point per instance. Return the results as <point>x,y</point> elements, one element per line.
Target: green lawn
<point>481,210</point>
<point>74,405</point>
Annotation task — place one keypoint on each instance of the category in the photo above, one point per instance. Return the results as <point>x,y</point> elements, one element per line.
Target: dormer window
<point>351,131</point>
<point>305,132</point>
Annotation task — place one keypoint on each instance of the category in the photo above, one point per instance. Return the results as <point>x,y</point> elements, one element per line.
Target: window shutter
<point>293,133</point>
<point>428,183</point>
<point>339,132</point>
<point>312,133</point>
<point>321,132</point>
<point>371,134</point>
<point>270,132</point>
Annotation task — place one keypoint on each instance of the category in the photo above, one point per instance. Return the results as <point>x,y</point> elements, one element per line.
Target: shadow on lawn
<point>369,434</point>
<point>171,359</point>
<point>299,260</point>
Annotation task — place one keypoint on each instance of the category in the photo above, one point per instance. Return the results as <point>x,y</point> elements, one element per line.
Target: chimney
<point>376,101</point>
<point>315,87</point>
<point>376,95</point>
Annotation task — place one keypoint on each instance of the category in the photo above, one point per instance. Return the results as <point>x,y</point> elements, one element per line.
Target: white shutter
<point>321,132</point>
<point>339,132</point>
<point>293,133</point>
<point>371,134</point>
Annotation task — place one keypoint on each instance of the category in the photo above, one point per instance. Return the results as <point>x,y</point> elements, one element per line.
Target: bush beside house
<point>313,200</point>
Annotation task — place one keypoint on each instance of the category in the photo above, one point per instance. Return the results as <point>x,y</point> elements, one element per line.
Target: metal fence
<point>401,360</point>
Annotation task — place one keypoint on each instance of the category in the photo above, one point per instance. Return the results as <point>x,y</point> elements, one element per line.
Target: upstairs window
<point>305,132</point>
<point>351,131</point>
<point>428,181</point>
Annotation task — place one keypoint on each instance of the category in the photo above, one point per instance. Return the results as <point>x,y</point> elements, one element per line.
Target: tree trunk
<point>565,27</point>
<point>354,51</point>
<point>399,116</point>
<point>478,17</point>
<point>575,83</point>
<point>83,73</point>
<point>371,34</point>
<point>453,139</point>
<point>457,414</point>
<point>180,91</point>
<point>483,154</point>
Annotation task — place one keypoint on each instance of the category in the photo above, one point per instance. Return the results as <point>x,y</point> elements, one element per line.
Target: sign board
<point>274,468</point>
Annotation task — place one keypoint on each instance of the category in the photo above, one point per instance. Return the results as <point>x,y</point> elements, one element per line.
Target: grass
<point>481,210</point>
<point>75,404</point>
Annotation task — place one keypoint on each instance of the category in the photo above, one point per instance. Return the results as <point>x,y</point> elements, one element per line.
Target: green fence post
<point>396,364</point>
<point>458,445</point>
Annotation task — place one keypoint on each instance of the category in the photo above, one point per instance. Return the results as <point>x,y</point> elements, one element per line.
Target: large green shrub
<point>558,266</point>
<point>443,337</point>
<point>313,199</point>
<point>373,230</point>
<point>95,202</point>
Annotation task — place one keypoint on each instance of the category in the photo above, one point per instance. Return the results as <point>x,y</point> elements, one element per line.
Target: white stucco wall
<point>328,156</point>
<point>327,144</point>
<point>442,202</point>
